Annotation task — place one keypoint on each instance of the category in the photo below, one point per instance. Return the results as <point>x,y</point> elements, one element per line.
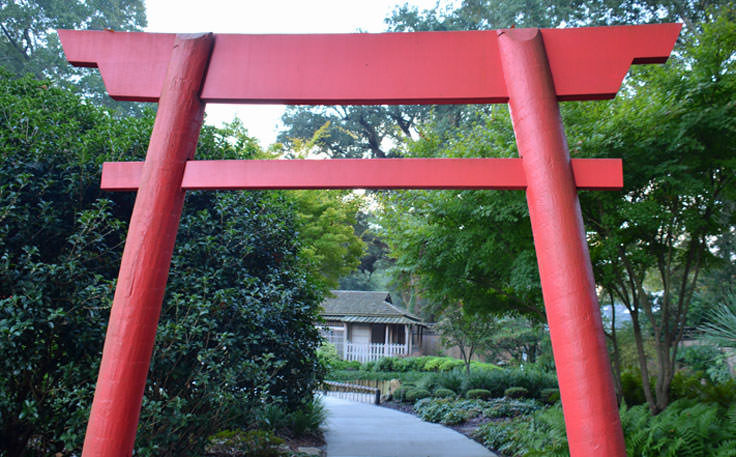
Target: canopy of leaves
<point>29,43</point>
<point>469,247</point>
<point>236,330</point>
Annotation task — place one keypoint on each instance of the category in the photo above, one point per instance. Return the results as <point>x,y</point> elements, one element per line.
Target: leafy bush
<point>686,427</point>
<point>516,392</point>
<point>307,419</point>
<point>443,411</point>
<point>549,395</point>
<point>236,327</point>
<point>542,433</point>
<point>450,364</point>
<point>384,364</point>
<point>407,377</point>
<point>451,411</point>
<point>400,393</point>
<point>253,443</point>
<point>504,407</point>
<point>497,381</point>
<point>452,380</point>
<point>631,387</point>
<point>441,392</point>
<point>433,363</point>
<point>474,365</point>
<point>481,394</point>
<point>413,394</point>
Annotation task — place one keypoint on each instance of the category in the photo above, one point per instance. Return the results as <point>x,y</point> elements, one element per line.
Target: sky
<point>271,16</point>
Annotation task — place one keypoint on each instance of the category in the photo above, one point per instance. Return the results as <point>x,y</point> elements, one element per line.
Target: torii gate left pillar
<point>537,69</point>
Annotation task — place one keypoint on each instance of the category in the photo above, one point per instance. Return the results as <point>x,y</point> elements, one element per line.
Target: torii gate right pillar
<point>568,285</point>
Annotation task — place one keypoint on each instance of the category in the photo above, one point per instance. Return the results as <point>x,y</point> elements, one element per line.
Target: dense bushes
<point>684,428</point>
<point>427,363</point>
<point>452,412</point>
<point>236,328</point>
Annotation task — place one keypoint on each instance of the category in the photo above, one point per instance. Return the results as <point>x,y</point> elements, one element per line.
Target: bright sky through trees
<point>272,16</point>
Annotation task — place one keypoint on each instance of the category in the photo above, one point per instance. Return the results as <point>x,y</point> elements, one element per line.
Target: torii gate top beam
<point>388,68</point>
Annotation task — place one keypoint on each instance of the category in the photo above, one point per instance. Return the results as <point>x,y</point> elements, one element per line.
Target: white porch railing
<point>370,352</point>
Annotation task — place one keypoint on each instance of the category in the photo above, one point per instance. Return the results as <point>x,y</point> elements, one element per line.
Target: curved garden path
<point>362,430</point>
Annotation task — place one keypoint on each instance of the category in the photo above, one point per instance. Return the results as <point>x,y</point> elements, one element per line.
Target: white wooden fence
<point>370,352</point>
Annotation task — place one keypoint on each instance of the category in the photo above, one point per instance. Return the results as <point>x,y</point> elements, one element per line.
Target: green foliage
<point>685,428</point>
<point>720,327</point>
<point>330,247</point>
<point>549,395</point>
<point>450,380</point>
<point>253,443</point>
<point>236,329</point>
<point>506,407</point>
<point>649,243</point>
<point>328,358</point>
<point>427,363</point>
<point>442,392</point>
<point>480,394</point>
<point>60,241</point>
<point>469,332</point>
<point>446,411</point>
<point>497,381</point>
<point>350,375</point>
<point>413,394</point>
<point>516,392</point>
<point>400,393</point>
<point>29,43</point>
<point>453,412</point>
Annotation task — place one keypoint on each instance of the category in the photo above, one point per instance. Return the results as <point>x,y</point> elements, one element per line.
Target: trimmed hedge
<point>414,394</point>
<point>516,392</point>
<point>479,394</point>
<point>443,393</point>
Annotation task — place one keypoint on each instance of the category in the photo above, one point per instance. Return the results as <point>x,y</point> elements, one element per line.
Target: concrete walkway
<point>362,430</point>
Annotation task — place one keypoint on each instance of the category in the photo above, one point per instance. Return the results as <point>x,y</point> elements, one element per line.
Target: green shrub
<point>441,411</point>
<point>433,363</point>
<point>452,380</point>
<point>497,381</point>
<point>414,394</point>
<point>474,365</point>
<point>253,443</point>
<point>505,407</point>
<point>442,392</point>
<point>631,387</point>
<point>368,366</point>
<point>384,364</point>
<point>450,364</point>
<point>549,395</point>
<point>307,419</point>
<point>349,376</point>
<point>516,392</point>
<point>400,393</point>
<point>481,394</point>
<point>402,364</point>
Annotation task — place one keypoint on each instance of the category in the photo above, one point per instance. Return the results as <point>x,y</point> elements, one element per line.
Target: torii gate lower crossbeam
<point>531,79</point>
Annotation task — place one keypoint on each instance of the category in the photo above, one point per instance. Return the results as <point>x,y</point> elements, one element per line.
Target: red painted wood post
<point>578,342</point>
<point>147,255</point>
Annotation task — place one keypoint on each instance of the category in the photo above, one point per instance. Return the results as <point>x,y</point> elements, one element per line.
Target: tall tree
<point>373,131</point>
<point>674,128</point>
<point>29,43</point>
<point>470,247</point>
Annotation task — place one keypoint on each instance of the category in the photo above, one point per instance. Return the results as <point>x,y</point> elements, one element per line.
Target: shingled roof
<point>365,307</point>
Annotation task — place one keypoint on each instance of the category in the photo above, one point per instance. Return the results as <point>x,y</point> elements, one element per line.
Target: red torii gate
<point>530,69</point>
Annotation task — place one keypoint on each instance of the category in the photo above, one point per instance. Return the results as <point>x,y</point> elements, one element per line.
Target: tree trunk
<point>636,325</point>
